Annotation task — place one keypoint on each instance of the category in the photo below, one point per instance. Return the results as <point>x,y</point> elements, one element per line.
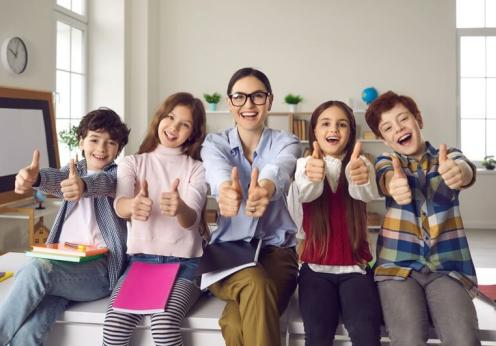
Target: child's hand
<point>72,188</point>
<point>141,204</point>
<point>171,202</point>
<point>315,167</point>
<point>398,185</point>
<point>359,172</point>
<point>258,196</point>
<point>451,173</point>
<point>28,175</point>
<point>230,195</point>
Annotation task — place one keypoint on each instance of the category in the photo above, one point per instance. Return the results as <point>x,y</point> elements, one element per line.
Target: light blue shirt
<point>275,157</point>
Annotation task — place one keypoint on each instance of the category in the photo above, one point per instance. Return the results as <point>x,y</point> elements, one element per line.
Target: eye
<point>169,116</point>
<point>404,118</point>
<point>343,125</point>
<point>325,124</point>
<point>93,140</point>
<point>238,96</point>
<point>186,126</point>
<point>112,143</point>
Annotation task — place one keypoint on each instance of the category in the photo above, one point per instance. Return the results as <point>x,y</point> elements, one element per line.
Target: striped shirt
<point>428,231</point>
<point>101,186</point>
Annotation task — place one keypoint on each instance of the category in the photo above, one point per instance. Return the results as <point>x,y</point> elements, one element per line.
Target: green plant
<point>69,137</point>
<point>489,162</point>
<point>293,99</point>
<point>213,98</point>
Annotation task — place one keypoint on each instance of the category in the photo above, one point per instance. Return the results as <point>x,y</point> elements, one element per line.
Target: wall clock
<point>14,55</point>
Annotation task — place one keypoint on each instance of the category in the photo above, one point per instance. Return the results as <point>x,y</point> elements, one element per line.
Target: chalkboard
<point>26,123</point>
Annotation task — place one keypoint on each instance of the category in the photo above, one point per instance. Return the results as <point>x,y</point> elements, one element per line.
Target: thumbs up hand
<point>27,176</point>
<point>315,167</point>
<point>141,205</point>
<point>171,202</point>
<point>359,172</point>
<point>449,170</point>
<point>73,187</point>
<point>259,195</point>
<point>230,195</point>
<point>398,186</point>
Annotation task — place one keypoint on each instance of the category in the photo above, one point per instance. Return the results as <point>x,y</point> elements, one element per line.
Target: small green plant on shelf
<point>69,138</point>
<point>489,162</point>
<point>291,99</point>
<point>212,98</point>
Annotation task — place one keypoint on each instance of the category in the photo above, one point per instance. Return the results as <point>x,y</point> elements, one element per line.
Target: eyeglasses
<point>258,98</point>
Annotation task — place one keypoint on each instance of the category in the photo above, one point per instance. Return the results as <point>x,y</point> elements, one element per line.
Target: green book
<point>77,259</point>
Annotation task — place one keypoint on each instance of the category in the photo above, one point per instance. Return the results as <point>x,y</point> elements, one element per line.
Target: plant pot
<point>212,107</point>
<point>292,108</point>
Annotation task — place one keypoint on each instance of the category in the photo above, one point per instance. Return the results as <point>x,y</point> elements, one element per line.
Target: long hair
<point>356,214</point>
<point>193,145</point>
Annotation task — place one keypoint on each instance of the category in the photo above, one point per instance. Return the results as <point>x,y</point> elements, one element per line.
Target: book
<point>146,288</point>
<point>489,291</point>
<point>80,250</point>
<point>67,258</point>
<point>220,260</point>
<point>5,275</point>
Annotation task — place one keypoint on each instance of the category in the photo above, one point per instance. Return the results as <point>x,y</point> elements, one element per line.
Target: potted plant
<point>292,101</point>
<point>489,162</point>
<point>69,137</point>
<point>212,100</point>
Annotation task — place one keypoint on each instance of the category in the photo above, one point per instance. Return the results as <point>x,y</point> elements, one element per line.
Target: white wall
<point>34,22</point>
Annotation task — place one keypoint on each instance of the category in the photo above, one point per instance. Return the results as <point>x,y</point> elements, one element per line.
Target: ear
<point>271,98</point>
<point>420,122</point>
<point>81,141</point>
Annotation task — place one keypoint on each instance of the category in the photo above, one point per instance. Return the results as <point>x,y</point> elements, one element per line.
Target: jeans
<point>41,292</point>
<point>188,269</point>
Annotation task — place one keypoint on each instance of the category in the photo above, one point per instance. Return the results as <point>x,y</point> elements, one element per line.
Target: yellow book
<point>5,275</point>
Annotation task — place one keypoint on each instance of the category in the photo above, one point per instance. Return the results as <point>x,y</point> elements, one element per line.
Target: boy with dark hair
<point>43,288</point>
<point>422,246</point>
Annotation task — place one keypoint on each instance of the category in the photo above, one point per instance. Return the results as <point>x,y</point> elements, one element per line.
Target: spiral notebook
<point>146,288</point>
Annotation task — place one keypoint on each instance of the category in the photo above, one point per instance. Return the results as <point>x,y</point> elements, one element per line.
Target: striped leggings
<point>165,326</point>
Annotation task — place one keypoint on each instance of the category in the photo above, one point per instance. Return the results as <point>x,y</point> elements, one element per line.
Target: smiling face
<point>332,131</point>
<point>176,127</point>
<point>400,130</point>
<point>99,149</point>
<point>249,117</point>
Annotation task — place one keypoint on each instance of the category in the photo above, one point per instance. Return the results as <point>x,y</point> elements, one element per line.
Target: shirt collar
<point>235,141</point>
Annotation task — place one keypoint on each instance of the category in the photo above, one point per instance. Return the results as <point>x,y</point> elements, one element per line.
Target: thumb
<point>174,185</point>
<point>317,153</point>
<point>72,169</point>
<point>398,170</point>
<point>35,163</point>
<point>254,178</point>
<point>235,179</point>
<point>144,188</point>
<point>355,155</point>
<point>443,154</point>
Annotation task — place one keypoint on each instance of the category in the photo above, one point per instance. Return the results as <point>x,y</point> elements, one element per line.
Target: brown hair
<point>193,145</point>
<point>386,102</point>
<point>356,215</point>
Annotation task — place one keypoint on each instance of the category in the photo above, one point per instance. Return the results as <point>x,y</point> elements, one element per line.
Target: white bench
<point>82,323</point>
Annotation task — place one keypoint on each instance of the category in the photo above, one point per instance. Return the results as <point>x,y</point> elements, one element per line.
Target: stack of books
<point>68,252</point>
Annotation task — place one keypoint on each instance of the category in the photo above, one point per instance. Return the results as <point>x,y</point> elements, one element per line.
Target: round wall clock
<point>14,55</point>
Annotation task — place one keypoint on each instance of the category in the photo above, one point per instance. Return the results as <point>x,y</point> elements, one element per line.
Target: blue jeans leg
<point>41,278</point>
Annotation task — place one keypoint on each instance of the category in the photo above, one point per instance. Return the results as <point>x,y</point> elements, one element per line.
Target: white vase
<point>292,108</point>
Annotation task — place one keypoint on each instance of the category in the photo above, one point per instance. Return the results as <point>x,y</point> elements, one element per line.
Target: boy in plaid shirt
<point>422,239</point>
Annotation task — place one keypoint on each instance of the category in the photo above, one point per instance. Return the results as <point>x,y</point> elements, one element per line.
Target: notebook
<point>146,288</point>
<point>52,256</point>
<point>72,250</point>
<point>5,275</point>
<point>489,291</point>
<point>220,260</point>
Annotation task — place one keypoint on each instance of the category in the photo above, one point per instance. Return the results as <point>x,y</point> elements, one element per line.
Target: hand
<point>73,187</point>
<point>258,196</point>
<point>315,167</point>
<point>171,202</point>
<point>230,195</point>
<point>28,175</point>
<point>141,206</point>
<point>398,185</point>
<point>359,172</point>
<point>451,173</point>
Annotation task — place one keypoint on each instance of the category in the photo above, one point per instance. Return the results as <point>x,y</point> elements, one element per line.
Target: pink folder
<point>146,288</point>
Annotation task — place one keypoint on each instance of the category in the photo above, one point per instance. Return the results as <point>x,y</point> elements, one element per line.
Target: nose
<point>249,103</point>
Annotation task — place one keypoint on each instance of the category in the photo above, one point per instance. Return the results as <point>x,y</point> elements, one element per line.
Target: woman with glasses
<point>249,169</point>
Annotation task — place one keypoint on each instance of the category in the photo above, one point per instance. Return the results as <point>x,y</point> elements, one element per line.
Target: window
<point>476,33</point>
<point>70,67</point>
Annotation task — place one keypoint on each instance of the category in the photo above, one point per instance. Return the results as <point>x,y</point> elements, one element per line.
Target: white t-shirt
<point>80,225</point>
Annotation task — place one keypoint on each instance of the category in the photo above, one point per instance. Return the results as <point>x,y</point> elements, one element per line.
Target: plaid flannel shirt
<point>428,231</point>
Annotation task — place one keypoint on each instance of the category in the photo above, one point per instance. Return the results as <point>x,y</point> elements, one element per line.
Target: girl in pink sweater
<point>162,190</point>
<point>332,186</point>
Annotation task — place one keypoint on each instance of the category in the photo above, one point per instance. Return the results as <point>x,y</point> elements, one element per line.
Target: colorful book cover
<point>5,275</point>
<point>65,258</point>
<point>488,290</point>
<point>146,288</point>
<point>80,250</point>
